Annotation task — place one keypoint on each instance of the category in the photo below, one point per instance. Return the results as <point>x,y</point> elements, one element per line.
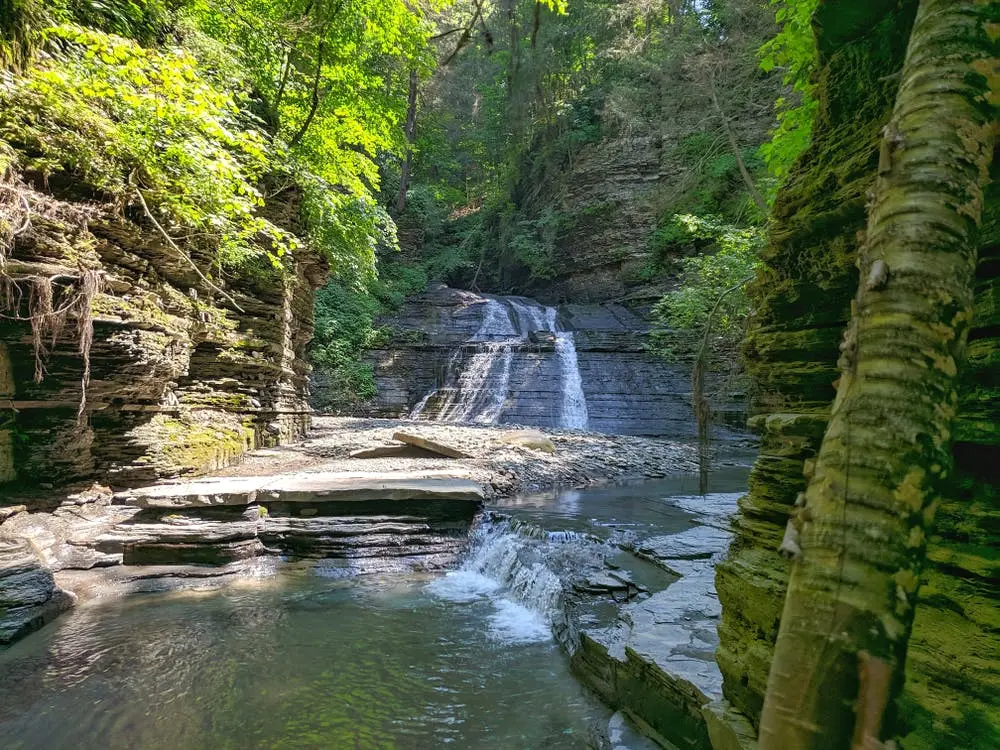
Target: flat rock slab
<point>697,543</point>
<point>402,450</point>
<point>532,439</point>
<point>303,488</point>
<point>429,445</point>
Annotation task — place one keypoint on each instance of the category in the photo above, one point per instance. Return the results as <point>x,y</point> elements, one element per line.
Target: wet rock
<point>191,553</point>
<point>29,597</point>
<point>429,445</point>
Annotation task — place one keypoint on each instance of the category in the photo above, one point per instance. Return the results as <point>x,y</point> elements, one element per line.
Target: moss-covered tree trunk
<point>871,499</point>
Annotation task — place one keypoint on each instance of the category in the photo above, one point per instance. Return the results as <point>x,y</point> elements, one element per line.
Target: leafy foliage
<point>793,50</point>
<point>124,118</point>
<point>728,260</point>
<point>346,328</point>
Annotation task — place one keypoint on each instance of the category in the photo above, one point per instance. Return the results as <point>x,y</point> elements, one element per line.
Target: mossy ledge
<point>801,306</point>
<point>182,380</point>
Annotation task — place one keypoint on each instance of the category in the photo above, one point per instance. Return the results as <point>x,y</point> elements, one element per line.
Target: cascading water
<point>574,402</point>
<point>574,412</point>
<point>478,387</point>
<point>502,566</point>
<point>478,391</point>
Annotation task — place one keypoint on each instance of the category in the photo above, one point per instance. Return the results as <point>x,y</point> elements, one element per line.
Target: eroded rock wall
<point>182,380</point>
<point>628,390</point>
<point>802,303</point>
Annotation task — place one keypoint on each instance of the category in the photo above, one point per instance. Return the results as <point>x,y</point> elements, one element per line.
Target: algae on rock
<point>801,303</point>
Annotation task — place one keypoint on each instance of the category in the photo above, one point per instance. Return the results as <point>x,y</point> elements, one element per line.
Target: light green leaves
<point>793,51</point>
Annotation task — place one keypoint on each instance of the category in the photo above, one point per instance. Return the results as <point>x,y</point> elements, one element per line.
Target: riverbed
<point>300,655</point>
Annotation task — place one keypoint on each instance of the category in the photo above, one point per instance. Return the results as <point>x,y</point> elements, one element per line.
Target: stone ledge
<point>305,487</point>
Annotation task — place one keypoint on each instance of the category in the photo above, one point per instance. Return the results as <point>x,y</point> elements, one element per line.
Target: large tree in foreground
<point>859,533</point>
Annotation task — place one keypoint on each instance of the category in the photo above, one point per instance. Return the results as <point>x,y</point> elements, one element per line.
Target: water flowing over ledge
<point>477,381</point>
<point>457,356</point>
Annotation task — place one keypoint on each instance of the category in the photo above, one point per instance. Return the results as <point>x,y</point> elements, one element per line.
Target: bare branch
<point>185,256</point>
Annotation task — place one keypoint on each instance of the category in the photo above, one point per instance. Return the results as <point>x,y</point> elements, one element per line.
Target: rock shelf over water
<point>302,501</point>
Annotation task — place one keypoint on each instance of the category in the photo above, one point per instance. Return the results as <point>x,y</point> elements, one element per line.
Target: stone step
<point>306,487</point>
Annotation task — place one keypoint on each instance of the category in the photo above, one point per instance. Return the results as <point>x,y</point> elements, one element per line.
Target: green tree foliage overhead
<point>792,51</point>
<point>502,124</point>
<point>206,110</point>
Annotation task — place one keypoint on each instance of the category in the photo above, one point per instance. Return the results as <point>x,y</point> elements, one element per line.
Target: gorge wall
<point>181,380</point>
<point>461,356</point>
<point>802,303</point>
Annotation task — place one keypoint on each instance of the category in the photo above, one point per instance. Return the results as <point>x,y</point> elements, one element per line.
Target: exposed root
<point>15,217</point>
<point>43,320</point>
<point>89,286</point>
<point>170,241</point>
<point>48,321</point>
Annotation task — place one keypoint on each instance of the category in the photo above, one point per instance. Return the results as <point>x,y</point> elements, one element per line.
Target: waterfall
<point>574,403</point>
<point>477,391</point>
<point>574,406</point>
<point>477,387</point>
<point>525,594</point>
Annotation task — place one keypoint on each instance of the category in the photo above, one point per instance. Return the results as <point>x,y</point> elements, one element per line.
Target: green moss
<point>143,308</point>
<point>189,446</point>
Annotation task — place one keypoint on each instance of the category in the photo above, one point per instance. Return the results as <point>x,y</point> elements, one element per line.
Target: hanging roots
<point>15,217</point>
<point>48,321</point>
<point>89,285</point>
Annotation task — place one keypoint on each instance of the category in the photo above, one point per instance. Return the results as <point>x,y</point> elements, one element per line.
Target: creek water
<point>300,657</point>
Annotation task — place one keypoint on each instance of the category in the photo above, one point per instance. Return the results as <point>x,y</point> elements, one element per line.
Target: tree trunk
<point>515,54</point>
<point>734,146</point>
<point>860,537</point>
<point>411,132</point>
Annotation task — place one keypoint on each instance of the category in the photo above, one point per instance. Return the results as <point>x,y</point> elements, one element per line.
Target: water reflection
<point>300,662</point>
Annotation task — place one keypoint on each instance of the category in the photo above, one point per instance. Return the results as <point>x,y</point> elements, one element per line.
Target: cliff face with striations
<point>181,380</point>
<point>802,303</point>
<point>456,355</point>
<point>604,197</point>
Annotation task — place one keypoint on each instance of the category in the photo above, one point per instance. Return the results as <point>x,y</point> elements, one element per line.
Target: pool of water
<point>652,507</point>
<point>296,661</point>
<point>302,657</point>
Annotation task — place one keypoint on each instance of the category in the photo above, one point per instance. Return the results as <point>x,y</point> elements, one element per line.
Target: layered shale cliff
<point>802,303</point>
<point>180,377</point>
<point>460,356</point>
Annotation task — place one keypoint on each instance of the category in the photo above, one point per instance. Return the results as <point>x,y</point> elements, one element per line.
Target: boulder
<point>29,597</point>
<point>10,511</point>
<point>399,450</point>
<point>429,445</point>
<point>532,439</point>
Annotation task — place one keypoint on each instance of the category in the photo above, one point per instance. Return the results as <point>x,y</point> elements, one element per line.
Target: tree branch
<point>315,98</point>
<point>185,256</point>
<point>734,145</point>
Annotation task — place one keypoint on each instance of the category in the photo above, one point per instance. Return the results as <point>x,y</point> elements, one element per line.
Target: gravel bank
<point>580,458</point>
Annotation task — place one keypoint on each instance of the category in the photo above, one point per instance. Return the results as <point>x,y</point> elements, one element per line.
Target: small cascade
<point>477,392</point>
<point>574,407</point>
<point>574,402</point>
<point>477,386</point>
<point>505,567</point>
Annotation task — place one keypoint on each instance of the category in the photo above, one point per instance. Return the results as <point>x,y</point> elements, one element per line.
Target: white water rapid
<point>478,386</point>
<point>525,596</point>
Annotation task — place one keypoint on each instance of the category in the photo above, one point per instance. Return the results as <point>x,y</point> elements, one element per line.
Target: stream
<point>298,656</point>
